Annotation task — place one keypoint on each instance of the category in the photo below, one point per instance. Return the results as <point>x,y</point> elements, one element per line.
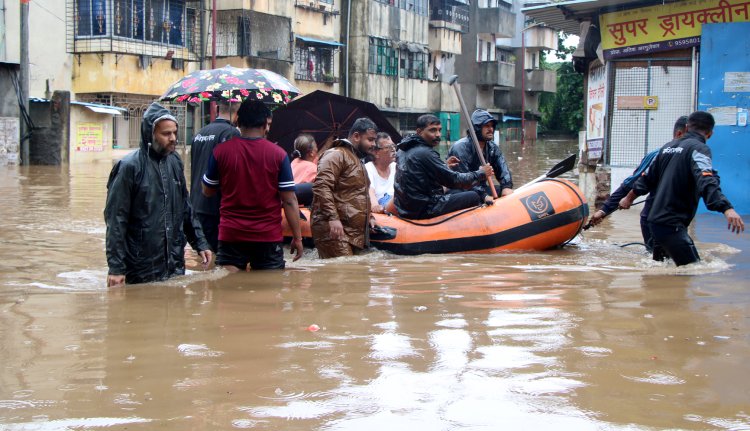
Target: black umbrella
<point>323,115</point>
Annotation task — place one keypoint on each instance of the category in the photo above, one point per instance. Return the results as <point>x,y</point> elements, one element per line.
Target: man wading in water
<point>148,213</point>
<point>679,175</point>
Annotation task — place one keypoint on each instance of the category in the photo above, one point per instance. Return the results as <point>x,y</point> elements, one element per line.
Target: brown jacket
<point>341,193</point>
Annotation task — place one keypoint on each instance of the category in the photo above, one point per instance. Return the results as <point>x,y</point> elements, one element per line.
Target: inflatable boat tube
<point>544,215</point>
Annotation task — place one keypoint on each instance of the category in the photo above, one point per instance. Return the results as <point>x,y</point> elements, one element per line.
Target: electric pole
<point>24,82</point>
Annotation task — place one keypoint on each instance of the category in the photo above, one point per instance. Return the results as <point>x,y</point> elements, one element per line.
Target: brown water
<point>594,336</point>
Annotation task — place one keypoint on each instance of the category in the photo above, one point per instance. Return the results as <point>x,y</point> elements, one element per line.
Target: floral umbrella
<point>231,84</point>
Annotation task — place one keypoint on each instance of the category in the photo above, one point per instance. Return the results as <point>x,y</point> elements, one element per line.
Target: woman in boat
<point>304,167</point>
<point>382,172</point>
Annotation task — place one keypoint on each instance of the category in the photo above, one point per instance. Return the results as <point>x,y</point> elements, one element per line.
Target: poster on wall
<point>596,101</point>
<point>9,136</point>
<point>667,26</point>
<point>89,137</point>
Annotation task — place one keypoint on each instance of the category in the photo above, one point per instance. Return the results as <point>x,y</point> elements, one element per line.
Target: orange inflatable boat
<point>543,215</point>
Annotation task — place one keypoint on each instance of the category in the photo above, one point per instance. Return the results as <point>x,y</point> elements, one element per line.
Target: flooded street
<point>593,336</point>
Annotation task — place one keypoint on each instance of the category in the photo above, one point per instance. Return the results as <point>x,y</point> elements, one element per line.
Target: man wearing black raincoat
<point>148,213</point>
<point>465,150</point>
<point>421,176</point>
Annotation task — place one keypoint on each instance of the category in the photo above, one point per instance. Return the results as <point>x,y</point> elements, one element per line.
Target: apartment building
<point>115,57</point>
<point>388,57</point>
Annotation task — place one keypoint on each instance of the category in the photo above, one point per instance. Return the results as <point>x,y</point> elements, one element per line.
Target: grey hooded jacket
<point>148,213</point>
<point>465,150</point>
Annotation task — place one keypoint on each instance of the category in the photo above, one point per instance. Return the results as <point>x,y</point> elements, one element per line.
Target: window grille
<point>313,63</point>
<point>142,27</point>
<point>383,59</point>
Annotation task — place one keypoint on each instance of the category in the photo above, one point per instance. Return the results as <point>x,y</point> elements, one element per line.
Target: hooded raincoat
<point>466,151</point>
<point>420,177</point>
<point>148,213</point>
<point>341,191</point>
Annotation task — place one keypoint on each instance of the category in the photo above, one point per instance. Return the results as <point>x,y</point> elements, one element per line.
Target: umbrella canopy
<point>323,115</point>
<point>231,84</point>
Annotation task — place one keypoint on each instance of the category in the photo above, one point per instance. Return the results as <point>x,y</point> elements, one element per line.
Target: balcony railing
<point>451,14</point>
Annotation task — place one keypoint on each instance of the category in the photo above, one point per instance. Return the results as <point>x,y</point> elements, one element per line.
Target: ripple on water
<point>198,350</point>
<point>602,255</point>
<point>310,345</point>
<point>16,404</point>
<point>73,423</point>
<point>294,410</point>
<point>593,351</point>
<point>278,394</point>
<point>741,422</point>
<point>657,378</point>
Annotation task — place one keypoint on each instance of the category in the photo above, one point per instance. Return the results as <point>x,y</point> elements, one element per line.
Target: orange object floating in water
<point>313,328</point>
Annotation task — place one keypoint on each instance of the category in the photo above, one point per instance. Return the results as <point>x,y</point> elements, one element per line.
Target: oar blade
<point>563,166</point>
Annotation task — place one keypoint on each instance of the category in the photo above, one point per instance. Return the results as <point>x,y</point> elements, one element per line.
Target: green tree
<point>562,111</point>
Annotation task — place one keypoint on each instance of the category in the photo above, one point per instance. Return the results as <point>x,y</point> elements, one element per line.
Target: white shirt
<point>383,186</point>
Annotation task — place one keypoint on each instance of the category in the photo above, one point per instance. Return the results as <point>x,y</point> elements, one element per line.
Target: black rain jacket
<point>466,151</point>
<point>680,174</point>
<point>420,177</point>
<point>148,213</point>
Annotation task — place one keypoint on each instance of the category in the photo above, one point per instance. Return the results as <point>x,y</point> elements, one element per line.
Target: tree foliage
<point>562,112</point>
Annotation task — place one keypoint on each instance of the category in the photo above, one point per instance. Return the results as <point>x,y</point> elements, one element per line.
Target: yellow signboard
<point>650,102</point>
<point>663,27</point>
<point>89,137</point>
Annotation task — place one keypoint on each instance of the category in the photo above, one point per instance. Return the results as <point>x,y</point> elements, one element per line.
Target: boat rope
<point>579,199</point>
<point>440,221</point>
<point>632,243</point>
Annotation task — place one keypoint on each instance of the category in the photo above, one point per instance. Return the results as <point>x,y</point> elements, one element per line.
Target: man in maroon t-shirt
<point>256,182</point>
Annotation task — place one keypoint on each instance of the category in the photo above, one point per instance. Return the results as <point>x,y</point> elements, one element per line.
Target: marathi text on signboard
<point>89,137</point>
<point>663,27</point>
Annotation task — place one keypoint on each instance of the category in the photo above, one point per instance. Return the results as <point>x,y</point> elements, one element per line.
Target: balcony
<point>498,21</point>
<point>539,38</point>
<point>496,73</point>
<point>449,14</point>
<point>538,80</point>
<point>444,40</point>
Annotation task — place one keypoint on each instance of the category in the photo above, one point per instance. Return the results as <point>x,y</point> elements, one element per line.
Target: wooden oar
<point>453,81</point>
<point>560,168</point>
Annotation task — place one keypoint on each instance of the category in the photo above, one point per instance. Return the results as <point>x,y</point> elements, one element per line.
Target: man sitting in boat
<point>464,149</point>
<point>421,175</point>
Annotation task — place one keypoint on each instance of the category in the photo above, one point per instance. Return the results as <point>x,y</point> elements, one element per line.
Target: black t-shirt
<point>203,145</point>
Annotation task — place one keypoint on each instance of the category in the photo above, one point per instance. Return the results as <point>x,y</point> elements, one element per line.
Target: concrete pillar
<point>50,137</point>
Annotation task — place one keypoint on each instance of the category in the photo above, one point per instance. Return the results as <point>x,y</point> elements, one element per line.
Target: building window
<point>91,18</point>
<point>161,21</point>
<point>383,59</point>
<point>417,6</point>
<point>505,56</point>
<point>313,63</point>
<point>412,65</point>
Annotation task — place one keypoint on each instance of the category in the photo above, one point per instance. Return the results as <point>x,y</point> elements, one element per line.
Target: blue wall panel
<point>726,48</point>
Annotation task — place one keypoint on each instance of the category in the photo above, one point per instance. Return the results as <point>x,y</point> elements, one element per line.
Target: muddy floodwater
<point>594,336</point>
